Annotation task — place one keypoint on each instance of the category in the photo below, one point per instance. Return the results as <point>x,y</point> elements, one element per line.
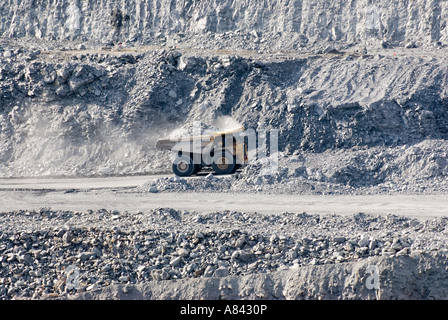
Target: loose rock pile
<point>55,254</point>
<point>422,167</point>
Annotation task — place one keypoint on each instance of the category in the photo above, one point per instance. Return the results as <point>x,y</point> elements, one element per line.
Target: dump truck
<point>223,151</point>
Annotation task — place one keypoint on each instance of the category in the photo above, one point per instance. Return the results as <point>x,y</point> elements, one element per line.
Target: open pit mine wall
<point>398,22</point>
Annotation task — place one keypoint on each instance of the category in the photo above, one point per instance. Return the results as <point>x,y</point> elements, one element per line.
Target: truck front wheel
<point>183,166</point>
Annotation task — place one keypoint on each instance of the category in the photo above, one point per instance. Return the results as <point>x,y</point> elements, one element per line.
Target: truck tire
<point>183,166</point>
<point>224,163</point>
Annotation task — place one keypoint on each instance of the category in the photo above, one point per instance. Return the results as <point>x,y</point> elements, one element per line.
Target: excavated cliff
<point>398,22</point>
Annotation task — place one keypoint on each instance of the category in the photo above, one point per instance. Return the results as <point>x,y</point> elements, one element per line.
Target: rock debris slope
<point>81,113</point>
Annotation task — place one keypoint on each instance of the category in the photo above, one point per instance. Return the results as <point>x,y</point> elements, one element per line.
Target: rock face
<point>421,22</point>
<point>397,279</point>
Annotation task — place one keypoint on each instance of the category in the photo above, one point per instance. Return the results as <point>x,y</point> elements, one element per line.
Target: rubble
<point>165,244</point>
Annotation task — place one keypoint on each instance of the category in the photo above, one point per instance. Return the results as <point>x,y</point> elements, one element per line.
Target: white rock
<point>176,261</point>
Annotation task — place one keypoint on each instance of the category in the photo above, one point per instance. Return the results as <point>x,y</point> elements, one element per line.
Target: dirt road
<point>116,193</point>
<point>73,183</point>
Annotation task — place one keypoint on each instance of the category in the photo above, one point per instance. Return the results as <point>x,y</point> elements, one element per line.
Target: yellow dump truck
<point>223,151</point>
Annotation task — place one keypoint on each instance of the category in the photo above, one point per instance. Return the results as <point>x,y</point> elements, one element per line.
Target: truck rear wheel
<point>224,163</point>
<point>183,166</point>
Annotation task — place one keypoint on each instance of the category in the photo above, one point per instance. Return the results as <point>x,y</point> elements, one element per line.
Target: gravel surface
<point>40,250</point>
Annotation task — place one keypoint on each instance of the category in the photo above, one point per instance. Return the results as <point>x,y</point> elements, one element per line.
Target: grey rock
<point>221,272</point>
<point>83,256</point>
<point>182,252</point>
<point>97,252</point>
<point>50,78</point>
<point>339,239</point>
<point>403,252</point>
<point>93,287</point>
<point>172,94</point>
<point>388,251</point>
<point>411,45</point>
<point>240,241</point>
<point>242,255</point>
<point>64,73</point>
<point>63,90</point>
<point>396,246</point>
<point>159,274</point>
<point>364,242</point>
<point>67,237</point>
<point>187,63</point>
<point>209,271</point>
<point>191,267</point>
<point>198,235</point>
